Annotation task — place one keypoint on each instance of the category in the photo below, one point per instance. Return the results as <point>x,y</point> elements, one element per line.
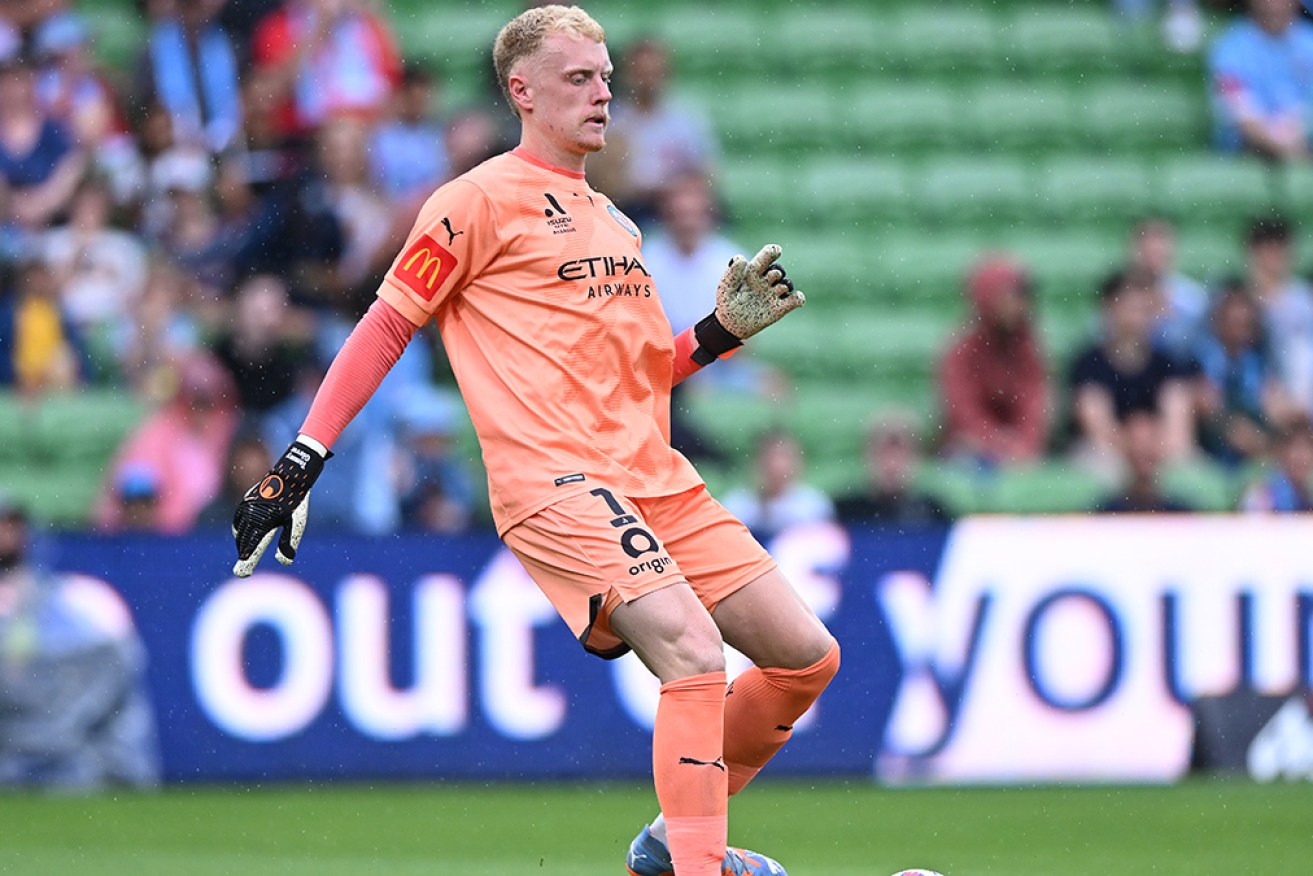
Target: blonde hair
<point>524,34</point>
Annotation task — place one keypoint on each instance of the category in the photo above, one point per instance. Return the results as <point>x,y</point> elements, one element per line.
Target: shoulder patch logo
<point>424,267</point>
<point>621,218</point>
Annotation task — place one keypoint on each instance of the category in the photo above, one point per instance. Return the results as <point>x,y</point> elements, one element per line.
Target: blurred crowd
<point>203,230</point>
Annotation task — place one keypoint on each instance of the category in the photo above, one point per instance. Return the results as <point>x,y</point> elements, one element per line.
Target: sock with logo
<point>760,710</point>
<point>689,771</point>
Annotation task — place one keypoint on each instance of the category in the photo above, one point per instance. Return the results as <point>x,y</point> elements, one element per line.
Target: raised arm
<point>751,296</point>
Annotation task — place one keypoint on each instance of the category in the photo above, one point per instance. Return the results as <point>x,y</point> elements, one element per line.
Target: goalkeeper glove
<point>751,295</point>
<point>281,500</point>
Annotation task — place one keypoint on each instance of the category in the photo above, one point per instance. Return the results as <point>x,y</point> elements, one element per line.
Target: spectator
<point>326,58</point>
<point>1261,70</point>
<point>1289,489</point>
<point>890,496</point>
<point>472,138</point>
<point>137,497</point>
<point>1182,23</point>
<point>185,442</point>
<point>994,384</point>
<point>687,254</point>
<point>100,270</point>
<point>40,350</point>
<point>266,344</point>
<point>1287,304</point>
<point>1143,447</point>
<point>371,232</point>
<point>248,461</point>
<point>155,333</point>
<point>74,713</point>
<point>69,87</point>
<point>658,138</point>
<point>1122,373</point>
<point>779,499</point>
<point>436,492</point>
<point>40,165</point>
<point>190,70</point>
<point>1243,396</point>
<point>408,155</point>
<point>1180,304</point>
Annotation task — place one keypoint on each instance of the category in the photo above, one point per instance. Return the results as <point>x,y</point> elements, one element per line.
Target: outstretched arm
<point>279,501</point>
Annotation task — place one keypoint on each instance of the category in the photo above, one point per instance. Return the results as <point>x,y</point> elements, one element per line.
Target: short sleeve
<point>454,240</point>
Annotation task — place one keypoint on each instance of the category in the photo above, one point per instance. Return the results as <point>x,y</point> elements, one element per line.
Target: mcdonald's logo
<point>424,267</point>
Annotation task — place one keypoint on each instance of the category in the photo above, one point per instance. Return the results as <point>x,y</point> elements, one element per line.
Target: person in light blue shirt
<point>1261,78</point>
<point>409,155</point>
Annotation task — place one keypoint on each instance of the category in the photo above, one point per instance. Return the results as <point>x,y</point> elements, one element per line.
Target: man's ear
<point>521,93</point>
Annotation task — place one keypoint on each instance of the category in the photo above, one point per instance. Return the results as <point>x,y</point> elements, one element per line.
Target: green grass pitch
<point>823,829</point>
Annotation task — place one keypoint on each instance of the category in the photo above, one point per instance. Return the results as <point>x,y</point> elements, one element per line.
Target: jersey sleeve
<point>454,239</point>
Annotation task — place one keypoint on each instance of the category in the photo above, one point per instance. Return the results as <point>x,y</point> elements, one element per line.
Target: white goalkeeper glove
<point>751,295</point>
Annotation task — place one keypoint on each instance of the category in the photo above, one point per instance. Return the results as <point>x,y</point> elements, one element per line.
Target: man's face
<point>1271,258</point>
<point>568,87</point>
<point>1274,15</point>
<point>1155,248</point>
<point>1129,313</point>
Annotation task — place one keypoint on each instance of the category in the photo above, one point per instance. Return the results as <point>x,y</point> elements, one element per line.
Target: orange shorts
<point>590,552</point>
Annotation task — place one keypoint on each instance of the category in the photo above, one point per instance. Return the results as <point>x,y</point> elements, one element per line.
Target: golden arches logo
<point>430,261</point>
<point>425,266</point>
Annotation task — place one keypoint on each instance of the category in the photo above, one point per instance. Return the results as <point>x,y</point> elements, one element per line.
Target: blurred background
<point>1056,259</point>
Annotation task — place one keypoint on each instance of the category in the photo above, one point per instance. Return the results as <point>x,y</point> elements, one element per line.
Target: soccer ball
<point>917,873</point>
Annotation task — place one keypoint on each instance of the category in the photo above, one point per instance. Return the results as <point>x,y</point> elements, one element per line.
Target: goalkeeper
<point>565,360</point>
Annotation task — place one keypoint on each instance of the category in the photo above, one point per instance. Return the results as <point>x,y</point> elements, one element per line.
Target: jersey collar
<point>523,154</point>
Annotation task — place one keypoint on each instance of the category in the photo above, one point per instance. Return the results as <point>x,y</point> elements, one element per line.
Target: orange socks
<point>760,710</point>
<point>691,780</point>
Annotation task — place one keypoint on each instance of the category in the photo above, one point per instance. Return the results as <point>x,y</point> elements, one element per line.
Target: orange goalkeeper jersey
<point>554,330</point>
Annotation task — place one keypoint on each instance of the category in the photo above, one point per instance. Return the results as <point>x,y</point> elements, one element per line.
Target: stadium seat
<point>845,190</point>
<point>1071,39</point>
<point>1069,265</point>
<point>764,118</point>
<point>1211,251</point>
<point>1202,485</point>
<point>923,267</point>
<point>948,40</point>
<point>1048,488</point>
<point>711,39</point>
<point>844,38</point>
<point>1199,187</point>
<point>969,191</point>
<point>1084,190</point>
<point>456,40</point>
<point>1123,117</point>
<point>1017,117</point>
<point>833,267</point>
<point>902,117</point>
<point>759,189</point>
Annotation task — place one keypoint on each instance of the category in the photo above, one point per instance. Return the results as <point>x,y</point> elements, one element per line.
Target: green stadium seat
<point>925,267</point>
<point>759,189</point>
<point>767,118</point>
<point>1203,486</point>
<point>456,40</point>
<point>902,116</point>
<point>1048,488</point>
<point>1295,196</point>
<point>1083,190</point>
<point>710,39</point>
<point>1072,39</point>
<point>1124,117</point>
<point>1208,252</point>
<point>840,39</point>
<point>971,191</point>
<point>942,39</point>
<point>856,189</point>
<point>1068,265</point>
<point>1199,187</point>
<point>832,267</point>
<point>1016,117</point>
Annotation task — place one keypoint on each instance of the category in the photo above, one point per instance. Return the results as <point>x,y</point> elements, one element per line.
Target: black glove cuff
<point>714,340</point>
